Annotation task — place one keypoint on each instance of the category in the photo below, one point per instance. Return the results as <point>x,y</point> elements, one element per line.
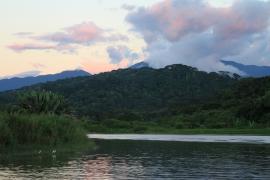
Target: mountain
<point>140,65</point>
<point>250,70</point>
<point>16,83</point>
<point>145,91</point>
<point>176,96</point>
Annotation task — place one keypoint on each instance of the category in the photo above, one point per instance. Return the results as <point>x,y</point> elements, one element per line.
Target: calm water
<point>186,138</point>
<point>142,159</point>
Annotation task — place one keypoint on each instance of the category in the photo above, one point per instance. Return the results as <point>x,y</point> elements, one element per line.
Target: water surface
<point>143,159</point>
<point>186,138</point>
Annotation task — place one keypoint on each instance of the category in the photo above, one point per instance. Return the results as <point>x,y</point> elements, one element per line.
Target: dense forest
<point>144,90</point>
<point>176,96</point>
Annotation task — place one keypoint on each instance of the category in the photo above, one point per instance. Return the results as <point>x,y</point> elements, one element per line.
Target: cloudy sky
<point>49,36</point>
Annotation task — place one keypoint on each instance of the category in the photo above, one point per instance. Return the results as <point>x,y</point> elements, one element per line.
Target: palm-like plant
<point>42,102</point>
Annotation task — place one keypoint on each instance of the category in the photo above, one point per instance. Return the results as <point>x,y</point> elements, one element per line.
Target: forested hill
<point>143,90</point>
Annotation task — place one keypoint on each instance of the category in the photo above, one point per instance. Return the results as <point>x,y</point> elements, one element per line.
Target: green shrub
<point>212,119</point>
<point>42,102</point>
<point>5,132</point>
<point>22,129</point>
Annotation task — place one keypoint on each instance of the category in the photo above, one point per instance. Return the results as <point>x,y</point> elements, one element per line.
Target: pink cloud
<point>242,18</point>
<point>174,19</point>
<point>67,40</point>
<point>24,47</point>
<point>83,33</point>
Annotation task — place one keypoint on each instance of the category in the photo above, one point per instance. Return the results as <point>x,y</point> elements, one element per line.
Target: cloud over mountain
<point>195,33</point>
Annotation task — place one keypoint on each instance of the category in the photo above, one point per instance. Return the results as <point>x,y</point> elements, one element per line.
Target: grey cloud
<point>195,33</point>
<point>119,53</point>
<point>115,38</point>
<point>115,55</point>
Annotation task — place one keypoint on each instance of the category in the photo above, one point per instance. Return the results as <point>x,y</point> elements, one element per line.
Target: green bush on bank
<point>23,129</point>
<point>41,102</point>
<point>39,118</point>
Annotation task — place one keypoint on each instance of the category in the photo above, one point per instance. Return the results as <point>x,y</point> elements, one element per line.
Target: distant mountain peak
<point>140,65</point>
<point>19,82</point>
<point>249,70</point>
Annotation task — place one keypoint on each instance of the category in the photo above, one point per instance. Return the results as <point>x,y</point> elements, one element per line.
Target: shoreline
<point>185,138</point>
<point>164,131</point>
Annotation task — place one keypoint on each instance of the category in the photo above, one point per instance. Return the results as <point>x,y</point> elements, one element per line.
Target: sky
<point>50,36</point>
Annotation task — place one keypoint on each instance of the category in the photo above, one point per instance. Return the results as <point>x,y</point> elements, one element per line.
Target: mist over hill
<point>250,70</point>
<point>247,70</point>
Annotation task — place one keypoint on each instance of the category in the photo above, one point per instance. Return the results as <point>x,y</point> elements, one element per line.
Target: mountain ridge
<point>250,70</point>
<point>140,65</point>
<point>177,95</point>
<point>20,82</point>
<point>137,90</point>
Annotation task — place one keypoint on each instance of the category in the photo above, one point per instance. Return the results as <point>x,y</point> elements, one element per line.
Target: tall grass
<point>23,129</point>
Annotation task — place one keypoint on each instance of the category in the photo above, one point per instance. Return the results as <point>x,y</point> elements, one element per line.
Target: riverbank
<point>155,129</point>
<point>258,132</point>
<point>185,138</point>
<point>231,131</point>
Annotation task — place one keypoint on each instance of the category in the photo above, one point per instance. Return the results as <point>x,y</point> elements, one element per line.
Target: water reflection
<point>98,166</point>
<point>125,159</point>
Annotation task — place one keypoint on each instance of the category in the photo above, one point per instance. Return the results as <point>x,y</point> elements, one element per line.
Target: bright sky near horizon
<point>49,36</point>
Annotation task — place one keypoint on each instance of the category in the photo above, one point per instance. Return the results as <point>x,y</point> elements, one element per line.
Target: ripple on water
<point>114,159</point>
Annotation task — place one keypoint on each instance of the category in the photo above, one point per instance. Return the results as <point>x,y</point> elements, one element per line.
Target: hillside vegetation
<point>174,98</point>
<point>138,91</point>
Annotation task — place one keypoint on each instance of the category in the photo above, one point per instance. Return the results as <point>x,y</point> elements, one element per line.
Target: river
<point>149,157</point>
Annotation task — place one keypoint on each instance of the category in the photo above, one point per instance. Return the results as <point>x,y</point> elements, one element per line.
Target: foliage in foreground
<point>39,118</point>
<point>41,102</point>
<point>23,129</point>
